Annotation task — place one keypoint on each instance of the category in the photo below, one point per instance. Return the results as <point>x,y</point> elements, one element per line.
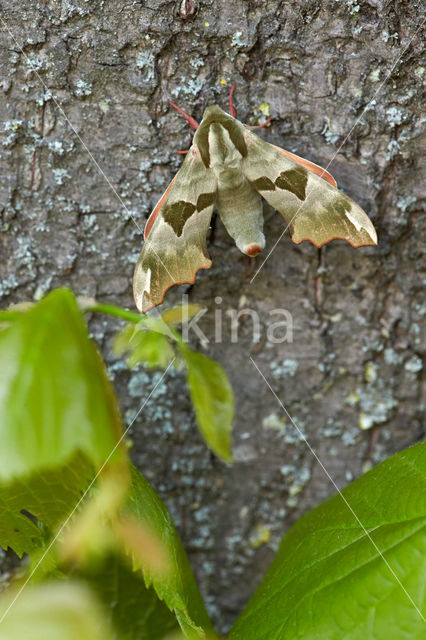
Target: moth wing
<point>175,234</point>
<point>315,168</point>
<point>313,208</point>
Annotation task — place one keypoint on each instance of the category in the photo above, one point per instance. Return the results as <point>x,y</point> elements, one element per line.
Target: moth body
<point>239,206</point>
<point>241,211</point>
<point>223,154</point>
<point>231,168</point>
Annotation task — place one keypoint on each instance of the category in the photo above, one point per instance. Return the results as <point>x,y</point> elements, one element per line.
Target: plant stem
<point>118,312</point>
<point>136,318</point>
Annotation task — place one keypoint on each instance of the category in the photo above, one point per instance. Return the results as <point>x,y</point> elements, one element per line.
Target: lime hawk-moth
<point>230,167</point>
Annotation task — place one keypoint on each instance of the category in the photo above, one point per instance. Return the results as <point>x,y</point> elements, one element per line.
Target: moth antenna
<point>192,122</point>
<point>232,109</point>
<point>259,126</point>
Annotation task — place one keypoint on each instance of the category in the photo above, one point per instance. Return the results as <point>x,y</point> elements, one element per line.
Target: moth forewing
<point>312,207</point>
<point>175,246</point>
<point>167,259</point>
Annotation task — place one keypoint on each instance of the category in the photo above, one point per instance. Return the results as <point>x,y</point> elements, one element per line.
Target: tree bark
<point>89,144</point>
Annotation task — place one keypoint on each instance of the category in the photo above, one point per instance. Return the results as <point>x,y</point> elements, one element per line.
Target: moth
<point>229,167</point>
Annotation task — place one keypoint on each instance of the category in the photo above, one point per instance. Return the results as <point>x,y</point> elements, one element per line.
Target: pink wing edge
<point>311,166</point>
<point>147,230</point>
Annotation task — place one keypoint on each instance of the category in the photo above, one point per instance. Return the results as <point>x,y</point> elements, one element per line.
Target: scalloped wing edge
<point>155,304</point>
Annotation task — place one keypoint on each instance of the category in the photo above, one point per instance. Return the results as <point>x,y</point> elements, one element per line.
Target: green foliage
<point>150,342</point>
<point>328,580</point>
<point>65,610</point>
<point>54,392</point>
<point>151,348</point>
<point>133,610</point>
<point>213,401</point>
<point>179,589</point>
<point>59,424</point>
<point>33,506</point>
<point>55,384</point>
<point>178,315</point>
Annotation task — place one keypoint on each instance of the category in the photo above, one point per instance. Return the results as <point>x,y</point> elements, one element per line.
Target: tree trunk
<point>89,144</point>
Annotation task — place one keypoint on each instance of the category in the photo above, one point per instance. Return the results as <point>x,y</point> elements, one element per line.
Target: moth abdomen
<point>241,211</point>
<point>252,250</point>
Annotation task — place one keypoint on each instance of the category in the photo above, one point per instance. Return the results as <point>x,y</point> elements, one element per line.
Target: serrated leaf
<point>140,533</point>
<point>213,400</point>
<point>134,610</point>
<point>329,582</point>
<point>150,348</point>
<point>178,588</point>
<point>48,496</point>
<point>103,525</point>
<point>55,397</point>
<point>90,534</point>
<point>50,611</point>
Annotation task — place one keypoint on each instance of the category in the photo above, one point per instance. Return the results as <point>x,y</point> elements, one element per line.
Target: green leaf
<point>180,314</point>
<point>50,611</point>
<point>213,400</point>
<point>137,610</point>
<point>32,507</point>
<point>55,397</point>
<point>134,610</point>
<point>178,589</point>
<point>151,348</point>
<point>329,582</point>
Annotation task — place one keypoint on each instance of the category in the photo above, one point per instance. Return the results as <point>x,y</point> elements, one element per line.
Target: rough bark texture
<point>89,143</point>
